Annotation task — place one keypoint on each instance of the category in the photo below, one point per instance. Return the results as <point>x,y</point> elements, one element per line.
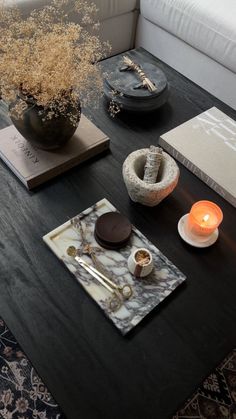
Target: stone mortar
<point>145,193</point>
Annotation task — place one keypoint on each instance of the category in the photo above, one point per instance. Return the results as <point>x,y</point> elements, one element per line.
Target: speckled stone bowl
<point>145,193</point>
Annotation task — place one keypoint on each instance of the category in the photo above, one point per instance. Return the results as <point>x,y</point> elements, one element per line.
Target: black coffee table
<point>92,371</point>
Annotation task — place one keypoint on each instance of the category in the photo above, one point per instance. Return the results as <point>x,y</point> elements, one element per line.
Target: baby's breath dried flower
<point>50,60</point>
<point>113,106</point>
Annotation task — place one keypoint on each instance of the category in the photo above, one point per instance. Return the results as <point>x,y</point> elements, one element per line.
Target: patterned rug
<point>22,393</point>
<point>216,397</point>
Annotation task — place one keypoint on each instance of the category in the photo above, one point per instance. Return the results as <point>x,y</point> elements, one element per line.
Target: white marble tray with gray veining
<point>147,292</point>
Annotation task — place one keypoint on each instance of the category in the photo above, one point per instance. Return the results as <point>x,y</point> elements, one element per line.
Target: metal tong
<point>118,292</point>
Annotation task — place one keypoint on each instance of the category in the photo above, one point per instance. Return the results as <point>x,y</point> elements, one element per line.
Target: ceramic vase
<point>42,132</point>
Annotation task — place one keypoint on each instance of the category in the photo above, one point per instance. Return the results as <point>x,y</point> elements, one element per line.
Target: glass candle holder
<point>204,218</point>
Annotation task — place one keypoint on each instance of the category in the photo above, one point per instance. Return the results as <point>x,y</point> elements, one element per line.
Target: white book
<point>206,145</point>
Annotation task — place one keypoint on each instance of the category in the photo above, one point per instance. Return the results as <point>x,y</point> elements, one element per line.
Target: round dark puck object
<point>112,230</point>
<point>130,98</point>
<point>110,246</point>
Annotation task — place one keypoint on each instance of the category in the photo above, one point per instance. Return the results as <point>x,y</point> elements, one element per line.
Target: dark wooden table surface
<point>92,371</point>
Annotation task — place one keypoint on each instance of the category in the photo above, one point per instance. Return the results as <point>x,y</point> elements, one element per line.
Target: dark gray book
<point>206,145</point>
<point>33,166</point>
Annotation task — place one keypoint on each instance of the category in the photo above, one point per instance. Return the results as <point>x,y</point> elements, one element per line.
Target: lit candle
<point>204,218</point>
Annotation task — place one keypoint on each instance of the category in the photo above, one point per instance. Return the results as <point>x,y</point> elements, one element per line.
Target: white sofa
<point>196,37</point>
<point>118,19</point>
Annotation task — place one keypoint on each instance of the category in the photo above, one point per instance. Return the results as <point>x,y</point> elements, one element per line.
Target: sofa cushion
<point>107,8</point>
<point>111,8</point>
<point>208,25</point>
<point>118,19</point>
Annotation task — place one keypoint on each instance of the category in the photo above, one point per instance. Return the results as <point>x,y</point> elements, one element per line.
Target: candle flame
<point>206,218</point>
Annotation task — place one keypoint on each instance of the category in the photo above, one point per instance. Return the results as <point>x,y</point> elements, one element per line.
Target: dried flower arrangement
<point>48,60</point>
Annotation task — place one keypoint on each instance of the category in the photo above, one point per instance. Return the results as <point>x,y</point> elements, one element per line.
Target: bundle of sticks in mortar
<point>152,165</point>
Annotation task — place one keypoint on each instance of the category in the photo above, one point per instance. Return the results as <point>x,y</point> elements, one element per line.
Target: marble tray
<point>147,292</point>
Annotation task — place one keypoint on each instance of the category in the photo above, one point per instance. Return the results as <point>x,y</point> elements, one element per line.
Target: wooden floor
<point>92,371</point>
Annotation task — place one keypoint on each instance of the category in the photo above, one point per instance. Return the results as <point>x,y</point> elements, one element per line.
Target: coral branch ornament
<point>145,81</point>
